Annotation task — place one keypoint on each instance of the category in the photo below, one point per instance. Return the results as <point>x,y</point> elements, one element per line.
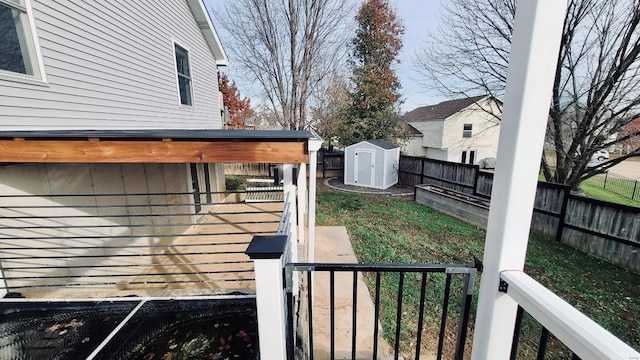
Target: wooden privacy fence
<point>240,169</point>
<point>606,230</point>
<point>455,176</point>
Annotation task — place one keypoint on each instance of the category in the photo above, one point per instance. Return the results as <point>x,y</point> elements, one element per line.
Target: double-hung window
<point>467,130</point>
<point>183,71</point>
<point>19,56</point>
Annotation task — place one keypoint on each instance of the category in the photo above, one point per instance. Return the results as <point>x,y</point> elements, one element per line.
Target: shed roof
<point>381,144</point>
<point>439,111</point>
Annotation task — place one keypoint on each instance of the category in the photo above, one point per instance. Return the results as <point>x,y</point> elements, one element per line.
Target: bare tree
<point>286,46</point>
<point>328,104</point>
<point>596,91</point>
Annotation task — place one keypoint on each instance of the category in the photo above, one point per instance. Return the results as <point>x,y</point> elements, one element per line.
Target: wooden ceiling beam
<point>149,151</point>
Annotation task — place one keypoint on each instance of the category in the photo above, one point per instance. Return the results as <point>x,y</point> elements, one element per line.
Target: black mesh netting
<point>166,330</point>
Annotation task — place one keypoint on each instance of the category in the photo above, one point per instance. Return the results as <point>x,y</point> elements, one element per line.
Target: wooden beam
<point>86,151</point>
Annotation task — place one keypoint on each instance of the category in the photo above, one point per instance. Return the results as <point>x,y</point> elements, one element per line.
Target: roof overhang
<point>155,146</point>
<point>201,15</point>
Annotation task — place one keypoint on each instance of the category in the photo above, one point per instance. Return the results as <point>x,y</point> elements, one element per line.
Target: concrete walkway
<point>333,246</point>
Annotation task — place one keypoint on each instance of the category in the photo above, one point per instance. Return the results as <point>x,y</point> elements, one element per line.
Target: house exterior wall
<point>485,133</point>
<point>432,132</point>
<point>129,226</point>
<point>111,65</point>
<point>414,147</point>
<point>437,154</point>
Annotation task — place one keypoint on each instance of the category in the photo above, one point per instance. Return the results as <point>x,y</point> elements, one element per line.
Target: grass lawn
<point>596,191</point>
<point>396,230</point>
<point>594,188</point>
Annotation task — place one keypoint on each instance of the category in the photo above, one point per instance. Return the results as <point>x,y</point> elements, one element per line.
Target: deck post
<point>314,145</point>
<point>269,254</point>
<point>4,288</point>
<point>290,196</point>
<point>532,67</point>
<point>302,200</point>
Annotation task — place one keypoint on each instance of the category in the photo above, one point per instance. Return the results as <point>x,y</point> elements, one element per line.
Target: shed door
<point>364,164</point>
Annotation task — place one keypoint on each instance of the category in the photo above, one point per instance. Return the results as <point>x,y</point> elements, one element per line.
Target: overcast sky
<point>419,17</point>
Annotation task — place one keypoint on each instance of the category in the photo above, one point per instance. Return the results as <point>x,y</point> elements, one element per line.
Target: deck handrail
<point>580,334</point>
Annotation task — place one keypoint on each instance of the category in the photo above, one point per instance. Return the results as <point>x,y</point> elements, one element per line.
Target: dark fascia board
<point>159,134</point>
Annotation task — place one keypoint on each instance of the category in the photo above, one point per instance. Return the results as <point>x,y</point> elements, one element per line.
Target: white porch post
<point>302,200</point>
<point>532,66</point>
<point>268,255</point>
<point>314,146</point>
<point>4,289</point>
<point>290,196</point>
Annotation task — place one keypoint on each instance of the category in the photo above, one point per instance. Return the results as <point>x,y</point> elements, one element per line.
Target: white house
<point>113,102</point>
<point>108,65</point>
<point>463,130</point>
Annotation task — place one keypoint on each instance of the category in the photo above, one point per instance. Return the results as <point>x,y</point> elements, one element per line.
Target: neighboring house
<point>463,130</point>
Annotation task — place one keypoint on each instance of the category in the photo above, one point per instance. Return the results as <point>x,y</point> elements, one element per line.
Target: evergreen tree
<point>373,103</point>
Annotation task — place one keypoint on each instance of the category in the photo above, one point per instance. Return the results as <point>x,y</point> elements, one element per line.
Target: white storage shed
<point>371,163</point>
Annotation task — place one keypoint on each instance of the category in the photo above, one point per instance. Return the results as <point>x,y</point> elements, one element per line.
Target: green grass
<point>597,192</point>
<point>594,187</point>
<point>396,230</point>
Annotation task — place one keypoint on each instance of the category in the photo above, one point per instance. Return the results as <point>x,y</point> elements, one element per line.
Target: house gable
<point>201,15</point>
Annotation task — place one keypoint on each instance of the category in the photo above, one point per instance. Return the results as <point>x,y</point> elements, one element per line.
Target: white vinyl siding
<point>111,65</point>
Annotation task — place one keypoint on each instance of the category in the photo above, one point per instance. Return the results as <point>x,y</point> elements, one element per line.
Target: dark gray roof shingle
<point>439,111</point>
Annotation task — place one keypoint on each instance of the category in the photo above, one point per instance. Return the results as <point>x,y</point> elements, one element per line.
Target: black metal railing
<point>167,240</point>
<point>559,351</point>
<point>401,275</point>
<point>618,184</point>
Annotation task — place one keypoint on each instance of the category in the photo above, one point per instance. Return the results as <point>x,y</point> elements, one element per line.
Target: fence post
<point>563,212</point>
<point>269,255</point>
<point>475,180</point>
<point>604,186</point>
<point>422,171</point>
<point>635,186</point>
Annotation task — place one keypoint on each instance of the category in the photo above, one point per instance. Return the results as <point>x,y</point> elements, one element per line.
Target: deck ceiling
<point>155,146</point>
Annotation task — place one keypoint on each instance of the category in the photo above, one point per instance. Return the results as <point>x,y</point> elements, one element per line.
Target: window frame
<point>467,133</point>
<point>176,45</point>
<point>32,46</point>
<point>468,156</point>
